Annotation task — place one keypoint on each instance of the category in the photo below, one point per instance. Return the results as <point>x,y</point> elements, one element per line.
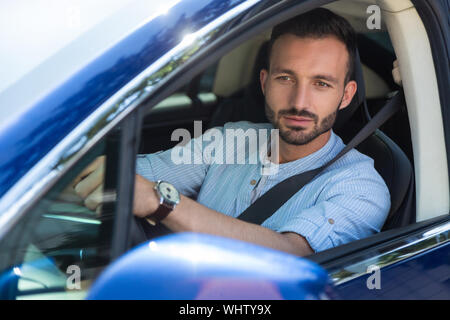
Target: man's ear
<point>349,92</point>
<point>263,74</point>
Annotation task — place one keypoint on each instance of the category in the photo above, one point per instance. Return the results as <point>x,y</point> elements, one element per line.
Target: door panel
<point>425,276</point>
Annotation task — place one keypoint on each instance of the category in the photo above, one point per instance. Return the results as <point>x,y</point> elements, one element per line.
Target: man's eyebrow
<point>281,70</point>
<point>326,77</point>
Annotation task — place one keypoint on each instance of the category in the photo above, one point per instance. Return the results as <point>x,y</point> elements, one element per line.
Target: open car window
<point>236,87</point>
<point>58,248</point>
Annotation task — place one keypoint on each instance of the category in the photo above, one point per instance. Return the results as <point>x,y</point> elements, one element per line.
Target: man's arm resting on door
<point>191,216</point>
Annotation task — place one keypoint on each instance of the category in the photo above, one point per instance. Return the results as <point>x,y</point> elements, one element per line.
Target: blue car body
<point>415,263</point>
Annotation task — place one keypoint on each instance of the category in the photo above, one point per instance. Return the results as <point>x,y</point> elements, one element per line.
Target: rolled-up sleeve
<point>312,225</point>
<point>176,166</point>
<point>346,210</point>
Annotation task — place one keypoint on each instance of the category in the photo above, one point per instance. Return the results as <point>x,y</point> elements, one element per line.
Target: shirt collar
<point>312,161</point>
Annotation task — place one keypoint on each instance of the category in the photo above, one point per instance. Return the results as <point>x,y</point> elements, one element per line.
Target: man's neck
<point>290,152</point>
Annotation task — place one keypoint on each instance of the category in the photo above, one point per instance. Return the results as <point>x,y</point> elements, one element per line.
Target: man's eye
<point>284,78</point>
<point>322,84</point>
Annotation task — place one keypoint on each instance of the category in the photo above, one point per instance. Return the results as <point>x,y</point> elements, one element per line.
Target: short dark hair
<point>319,23</point>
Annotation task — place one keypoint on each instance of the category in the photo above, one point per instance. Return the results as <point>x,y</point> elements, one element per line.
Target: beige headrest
<point>235,70</point>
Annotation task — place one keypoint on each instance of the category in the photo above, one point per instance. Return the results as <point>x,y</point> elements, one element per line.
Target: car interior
<point>229,90</point>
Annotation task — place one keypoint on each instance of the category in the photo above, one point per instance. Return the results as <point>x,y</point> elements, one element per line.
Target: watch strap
<point>160,213</point>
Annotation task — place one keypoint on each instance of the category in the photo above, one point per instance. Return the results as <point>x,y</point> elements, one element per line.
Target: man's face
<point>304,87</point>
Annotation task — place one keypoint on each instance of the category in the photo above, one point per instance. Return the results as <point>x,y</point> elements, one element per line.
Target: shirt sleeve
<point>346,210</point>
<point>182,166</point>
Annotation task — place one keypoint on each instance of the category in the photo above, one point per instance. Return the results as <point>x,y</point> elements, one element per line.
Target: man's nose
<point>300,98</point>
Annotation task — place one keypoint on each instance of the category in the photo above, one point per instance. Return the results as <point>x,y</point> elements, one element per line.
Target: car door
<point>402,264</point>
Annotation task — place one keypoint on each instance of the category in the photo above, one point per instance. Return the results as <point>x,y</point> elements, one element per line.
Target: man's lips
<point>297,121</point>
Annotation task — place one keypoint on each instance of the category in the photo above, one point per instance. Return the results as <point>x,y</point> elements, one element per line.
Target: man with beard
<point>307,81</point>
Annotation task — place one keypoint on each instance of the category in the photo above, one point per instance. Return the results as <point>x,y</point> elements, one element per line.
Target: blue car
<point>81,80</point>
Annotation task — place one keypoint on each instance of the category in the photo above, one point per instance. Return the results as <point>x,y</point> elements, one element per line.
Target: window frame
<point>431,13</point>
<point>129,146</point>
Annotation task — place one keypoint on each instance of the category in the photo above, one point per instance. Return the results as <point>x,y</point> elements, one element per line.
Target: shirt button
<point>253,182</point>
<point>330,221</point>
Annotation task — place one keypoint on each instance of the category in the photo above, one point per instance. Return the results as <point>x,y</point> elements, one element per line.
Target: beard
<point>297,135</point>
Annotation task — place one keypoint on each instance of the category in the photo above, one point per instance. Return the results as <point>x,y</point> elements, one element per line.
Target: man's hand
<point>145,199</point>
<point>89,184</point>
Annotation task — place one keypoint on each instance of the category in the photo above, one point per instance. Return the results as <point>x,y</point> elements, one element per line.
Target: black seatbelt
<point>266,205</point>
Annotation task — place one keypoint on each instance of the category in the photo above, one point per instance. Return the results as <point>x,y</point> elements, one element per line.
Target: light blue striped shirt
<point>346,202</point>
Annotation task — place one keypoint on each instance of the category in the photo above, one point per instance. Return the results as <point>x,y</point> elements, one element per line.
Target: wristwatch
<point>168,197</point>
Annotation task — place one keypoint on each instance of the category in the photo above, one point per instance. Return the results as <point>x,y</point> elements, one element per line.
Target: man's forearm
<point>189,215</point>
<point>192,216</point>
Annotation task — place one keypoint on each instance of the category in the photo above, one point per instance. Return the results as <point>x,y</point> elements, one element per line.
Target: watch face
<point>169,193</point>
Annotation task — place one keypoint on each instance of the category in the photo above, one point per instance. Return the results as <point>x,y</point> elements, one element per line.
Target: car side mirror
<point>189,266</point>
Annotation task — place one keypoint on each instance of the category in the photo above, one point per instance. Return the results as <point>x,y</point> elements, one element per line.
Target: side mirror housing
<point>191,266</point>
